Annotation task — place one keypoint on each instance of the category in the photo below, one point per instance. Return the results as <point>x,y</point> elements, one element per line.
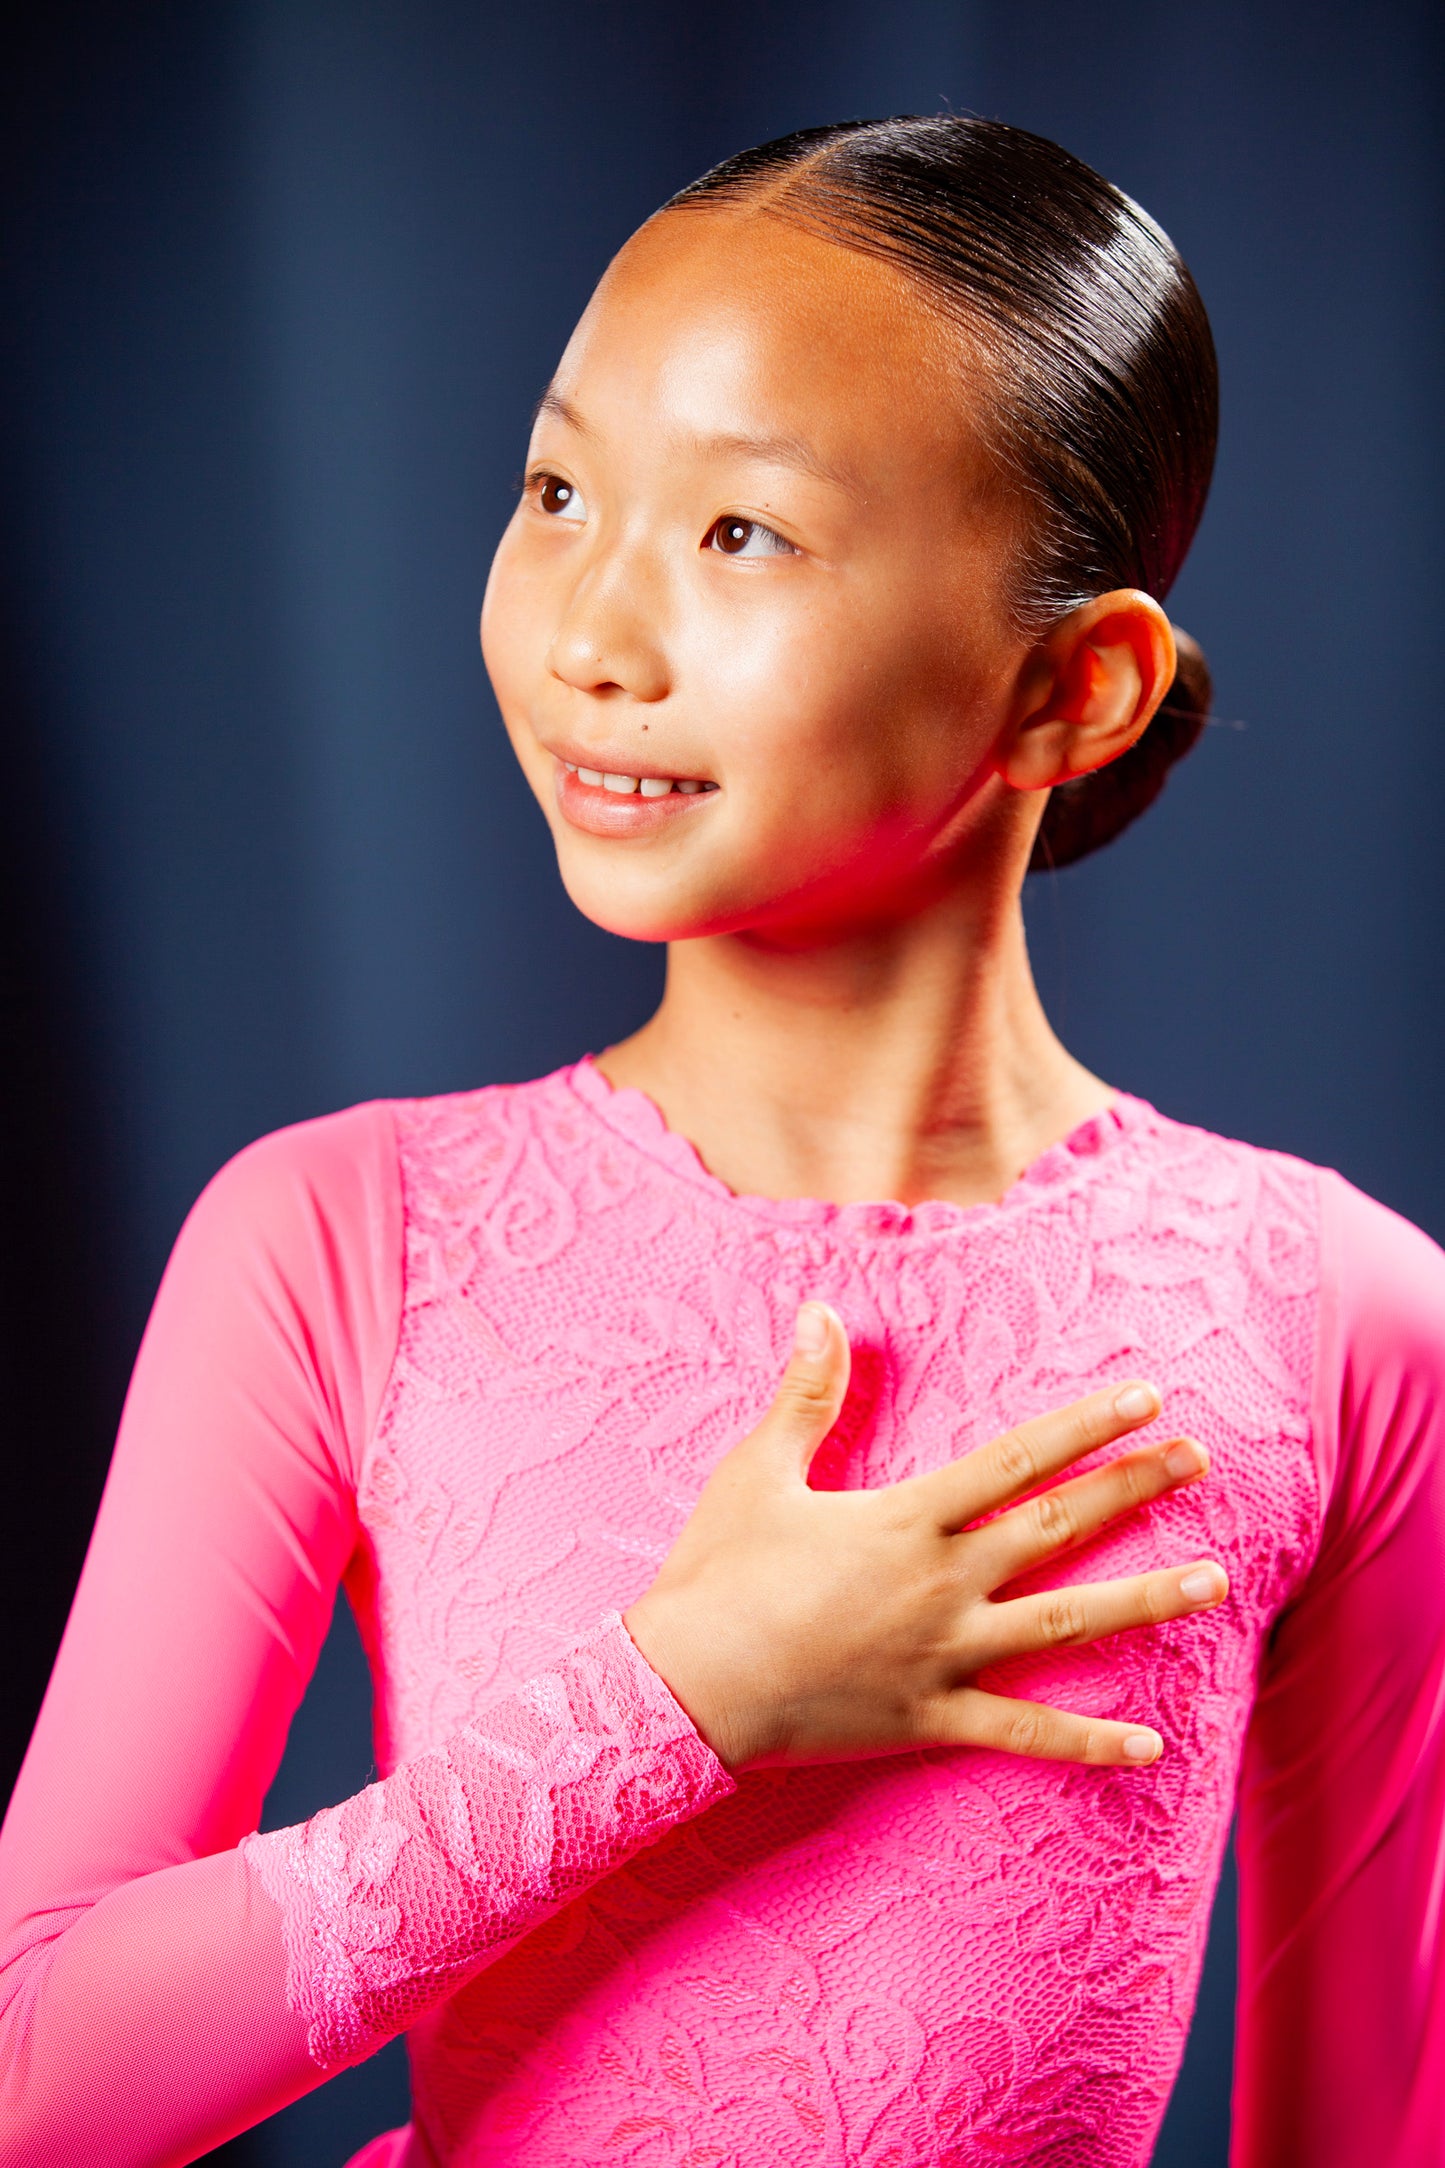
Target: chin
<point>635,911</point>
<point>640,907</point>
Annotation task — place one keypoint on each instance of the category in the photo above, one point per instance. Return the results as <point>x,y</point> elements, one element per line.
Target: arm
<point>146,1999</point>
<point>1341,2057</point>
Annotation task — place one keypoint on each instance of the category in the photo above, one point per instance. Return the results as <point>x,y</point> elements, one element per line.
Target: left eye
<point>562,499</point>
<point>747,538</point>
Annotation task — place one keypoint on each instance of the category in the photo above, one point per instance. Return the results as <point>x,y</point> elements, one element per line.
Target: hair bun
<point>1089,812</point>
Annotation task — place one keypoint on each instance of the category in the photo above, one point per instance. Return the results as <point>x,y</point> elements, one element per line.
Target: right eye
<point>563,500</point>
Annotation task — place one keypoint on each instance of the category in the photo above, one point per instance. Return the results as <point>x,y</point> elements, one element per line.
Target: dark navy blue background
<point>282,279</point>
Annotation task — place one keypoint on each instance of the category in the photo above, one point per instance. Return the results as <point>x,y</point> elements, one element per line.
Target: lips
<point>606,802</point>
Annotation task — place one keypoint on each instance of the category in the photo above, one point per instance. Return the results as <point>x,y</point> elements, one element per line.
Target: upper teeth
<point>650,786</point>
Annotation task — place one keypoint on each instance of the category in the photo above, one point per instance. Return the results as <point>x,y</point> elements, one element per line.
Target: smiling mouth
<point>610,802</point>
<point>643,786</point>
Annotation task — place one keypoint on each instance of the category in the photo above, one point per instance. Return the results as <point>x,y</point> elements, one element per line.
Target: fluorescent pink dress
<point>473,1357</point>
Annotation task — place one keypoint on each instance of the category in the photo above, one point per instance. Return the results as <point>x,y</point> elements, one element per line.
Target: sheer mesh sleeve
<point>1341,2056</point>
<point>154,1998</point>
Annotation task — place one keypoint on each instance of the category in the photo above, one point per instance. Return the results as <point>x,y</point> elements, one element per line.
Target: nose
<point>608,640</point>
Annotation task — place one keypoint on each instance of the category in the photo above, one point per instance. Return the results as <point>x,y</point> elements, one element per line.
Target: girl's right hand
<point>796,1625</point>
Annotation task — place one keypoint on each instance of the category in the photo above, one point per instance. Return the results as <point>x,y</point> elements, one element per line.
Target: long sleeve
<point>1341,2045</point>
<point>396,1898</point>
<point>164,1983</point>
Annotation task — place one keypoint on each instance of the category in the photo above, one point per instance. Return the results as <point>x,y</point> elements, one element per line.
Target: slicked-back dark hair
<point>1103,384</point>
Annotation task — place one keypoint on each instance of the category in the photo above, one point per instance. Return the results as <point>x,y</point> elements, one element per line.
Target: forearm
<point>153,2027</point>
<point>188,2004</point>
<point>396,1898</point>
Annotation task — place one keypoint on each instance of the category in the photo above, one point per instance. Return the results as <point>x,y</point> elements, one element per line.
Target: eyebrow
<point>552,402</point>
<point>778,451</point>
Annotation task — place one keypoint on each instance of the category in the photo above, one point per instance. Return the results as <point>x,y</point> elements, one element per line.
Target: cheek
<point>506,619</point>
<point>837,709</point>
<point>762,672</point>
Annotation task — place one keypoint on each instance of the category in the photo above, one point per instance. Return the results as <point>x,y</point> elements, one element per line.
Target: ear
<point>1088,690</point>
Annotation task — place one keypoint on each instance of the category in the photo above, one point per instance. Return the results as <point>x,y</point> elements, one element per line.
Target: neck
<point>910,1061</point>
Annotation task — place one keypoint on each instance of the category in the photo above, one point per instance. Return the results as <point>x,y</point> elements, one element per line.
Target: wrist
<point>668,1643</point>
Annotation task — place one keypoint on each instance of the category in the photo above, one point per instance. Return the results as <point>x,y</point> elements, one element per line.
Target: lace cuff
<point>392,1900</point>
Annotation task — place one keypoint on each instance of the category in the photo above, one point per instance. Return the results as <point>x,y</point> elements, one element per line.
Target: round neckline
<point>629,1114</point>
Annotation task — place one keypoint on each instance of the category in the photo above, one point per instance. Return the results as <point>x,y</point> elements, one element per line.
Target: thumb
<point>806,1404</point>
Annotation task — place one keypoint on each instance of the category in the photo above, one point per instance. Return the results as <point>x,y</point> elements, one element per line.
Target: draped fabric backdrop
<point>282,280</point>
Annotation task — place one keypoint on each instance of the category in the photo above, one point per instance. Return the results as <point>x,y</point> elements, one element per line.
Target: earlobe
<point>1089,690</point>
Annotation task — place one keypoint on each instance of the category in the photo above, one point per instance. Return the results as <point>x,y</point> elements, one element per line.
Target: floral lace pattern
<point>947,1957</point>
<point>417,1880</point>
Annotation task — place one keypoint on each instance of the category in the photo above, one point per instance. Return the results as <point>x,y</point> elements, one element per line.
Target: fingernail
<point>1142,1746</point>
<point>810,1333</point>
<point>1203,1583</point>
<point>1135,1402</point>
<point>1183,1459</point>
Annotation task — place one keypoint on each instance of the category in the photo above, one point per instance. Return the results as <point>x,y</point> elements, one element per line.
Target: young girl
<point>837,1773</point>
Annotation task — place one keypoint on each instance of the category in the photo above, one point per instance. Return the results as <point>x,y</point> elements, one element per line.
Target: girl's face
<point>757,581</point>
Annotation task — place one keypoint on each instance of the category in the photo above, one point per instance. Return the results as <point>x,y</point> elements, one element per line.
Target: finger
<point>1023,1458</point>
<point>1064,1617</point>
<point>1070,1512</point>
<point>807,1402</point>
<point>971,1717</point>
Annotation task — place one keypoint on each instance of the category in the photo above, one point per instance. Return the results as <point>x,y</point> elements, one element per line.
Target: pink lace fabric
<point>934,1957</point>
<point>473,1357</point>
<point>400,1893</point>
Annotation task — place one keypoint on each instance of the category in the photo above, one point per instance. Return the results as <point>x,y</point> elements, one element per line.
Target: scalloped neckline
<point>629,1114</point>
